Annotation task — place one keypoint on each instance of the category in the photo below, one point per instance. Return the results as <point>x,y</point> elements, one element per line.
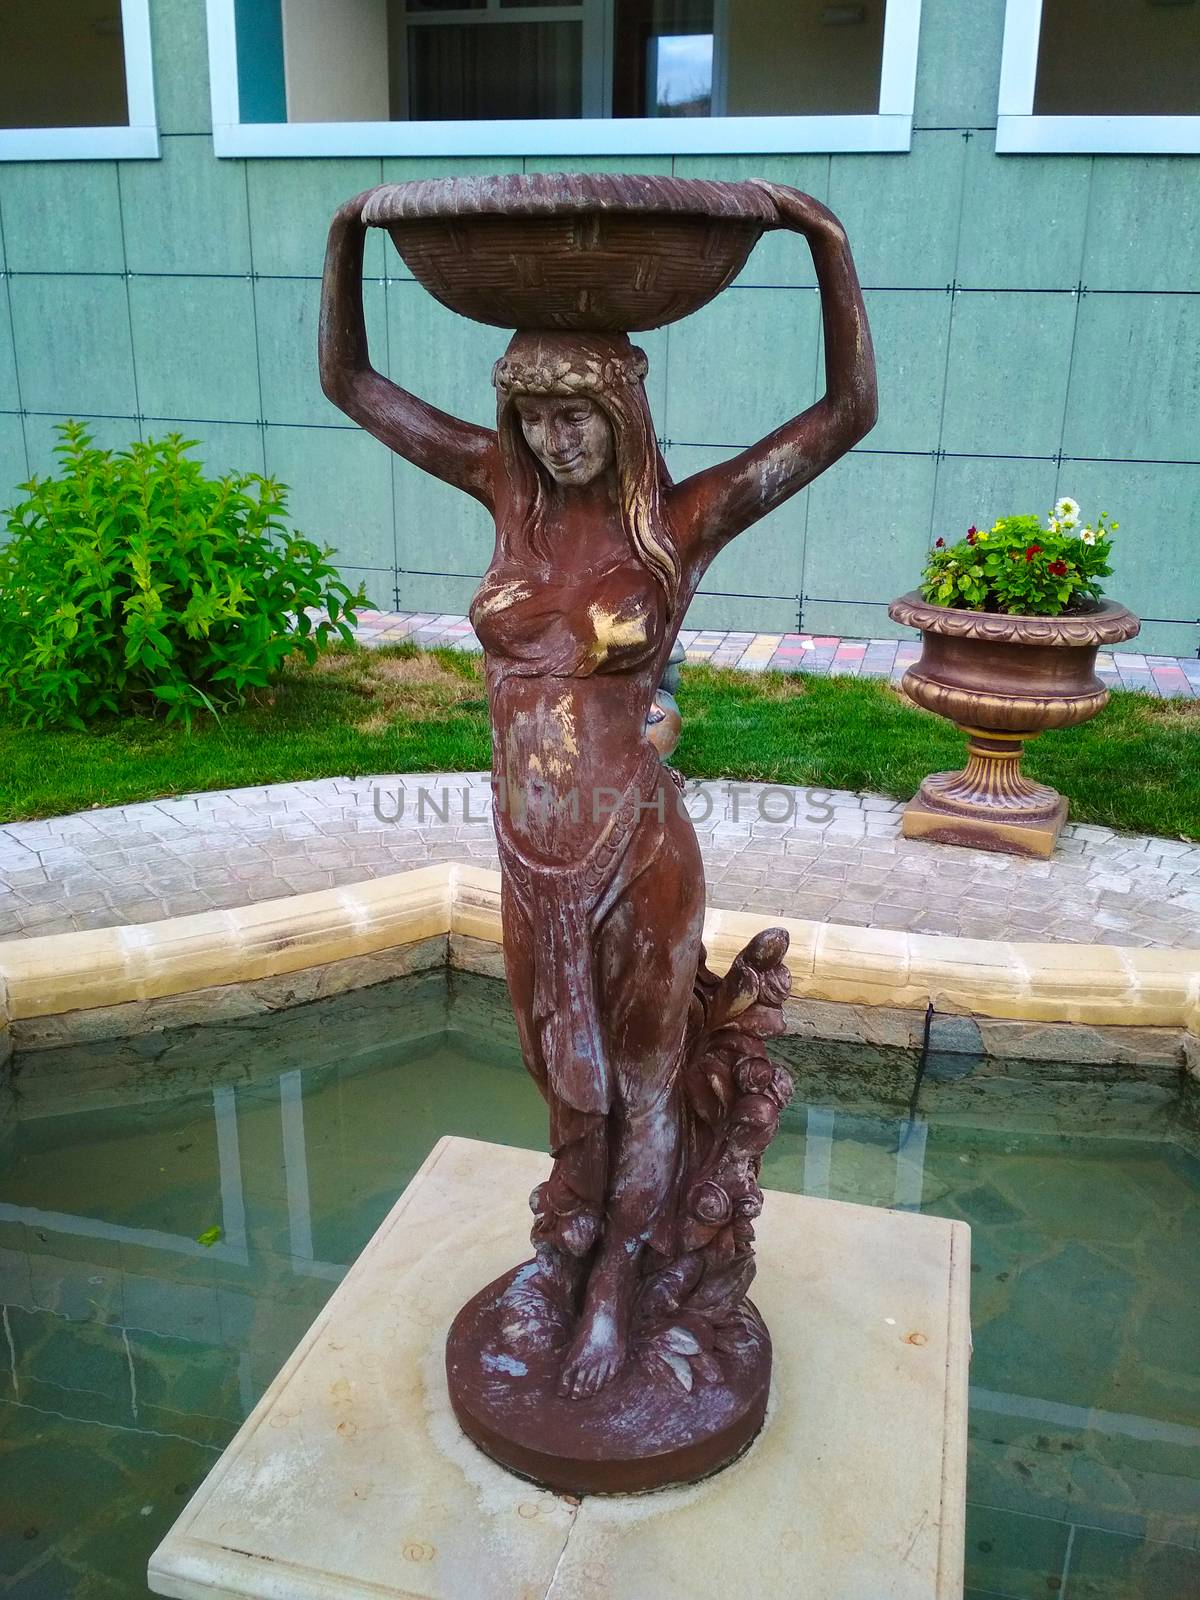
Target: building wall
<point>1036,320</point>
<point>783,60</point>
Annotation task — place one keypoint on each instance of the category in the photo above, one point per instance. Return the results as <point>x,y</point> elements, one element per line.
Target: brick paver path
<point>1167,676</point>
<point>781,851</point>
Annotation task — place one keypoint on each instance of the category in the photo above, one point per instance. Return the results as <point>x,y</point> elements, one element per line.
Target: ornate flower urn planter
<point>1002,679</point>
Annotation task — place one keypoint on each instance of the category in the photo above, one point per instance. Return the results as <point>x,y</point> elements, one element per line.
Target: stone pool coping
<point>869,984</point>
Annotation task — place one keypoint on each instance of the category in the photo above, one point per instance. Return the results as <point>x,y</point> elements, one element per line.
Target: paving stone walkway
<point>1169,677</point>
<point>781,851</point>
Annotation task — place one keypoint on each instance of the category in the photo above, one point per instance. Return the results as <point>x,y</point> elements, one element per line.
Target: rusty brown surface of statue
<point>625,1354</point>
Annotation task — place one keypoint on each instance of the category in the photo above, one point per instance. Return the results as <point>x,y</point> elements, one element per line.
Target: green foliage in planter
<point>131,580</point>
<point>1023,567</point>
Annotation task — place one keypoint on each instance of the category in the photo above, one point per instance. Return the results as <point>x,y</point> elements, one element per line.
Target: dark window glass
<point>62,65</point>
<point>1118,58</point>
<point>494,71</point>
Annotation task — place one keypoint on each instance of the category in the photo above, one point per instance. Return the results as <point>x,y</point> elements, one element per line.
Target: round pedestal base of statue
<point>674,1413</point>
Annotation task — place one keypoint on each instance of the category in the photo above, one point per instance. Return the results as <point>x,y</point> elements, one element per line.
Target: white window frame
<point>889,129</point>
<point>132,141</point>
<point>1020,132</point>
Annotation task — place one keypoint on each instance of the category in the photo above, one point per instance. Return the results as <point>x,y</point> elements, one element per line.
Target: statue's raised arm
<point>458,452</point>
<point>712,506</point>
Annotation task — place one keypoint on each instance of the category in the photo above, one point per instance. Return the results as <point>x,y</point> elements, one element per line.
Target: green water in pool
<point>130,1351</point>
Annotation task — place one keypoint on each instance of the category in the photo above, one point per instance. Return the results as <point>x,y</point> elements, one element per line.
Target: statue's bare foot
<point>595,1355</point>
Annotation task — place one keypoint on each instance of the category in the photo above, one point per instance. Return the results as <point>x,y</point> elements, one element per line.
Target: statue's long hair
<point>608,370</point>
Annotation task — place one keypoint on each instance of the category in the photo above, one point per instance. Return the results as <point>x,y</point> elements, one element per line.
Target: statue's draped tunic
<point>616,620</point>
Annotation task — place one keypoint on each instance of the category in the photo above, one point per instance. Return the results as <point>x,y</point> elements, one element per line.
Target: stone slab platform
<point>351,1480</point>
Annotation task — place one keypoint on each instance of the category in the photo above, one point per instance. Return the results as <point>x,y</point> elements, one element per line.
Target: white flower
<point>1088,535</point>
<point>1067,512</point>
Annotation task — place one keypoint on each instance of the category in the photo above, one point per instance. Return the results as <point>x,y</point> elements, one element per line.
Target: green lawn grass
<point>401,710</point>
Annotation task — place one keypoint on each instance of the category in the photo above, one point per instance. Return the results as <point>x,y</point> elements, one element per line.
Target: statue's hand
<point>348,215</point>
<point>802,213</point>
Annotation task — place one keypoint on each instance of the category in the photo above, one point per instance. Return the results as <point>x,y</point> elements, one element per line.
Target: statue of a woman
<point>597,556</point>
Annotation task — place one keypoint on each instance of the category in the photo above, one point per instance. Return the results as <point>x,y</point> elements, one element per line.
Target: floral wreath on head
<point>513,376</point>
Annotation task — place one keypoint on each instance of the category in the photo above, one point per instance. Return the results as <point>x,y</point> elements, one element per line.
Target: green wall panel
<point>10,391</point>
<point>742,365</point>
<point>768,558</point>
<point>733,614</point>
<point>868,527</point>
<point>996,250</point>
<point>780,257</point>
<point>438,527</point>
<point>222,446</point>
<point>288,311</point>
<point>291,205</point>
<point>1155,571</point>
<point>62,216</point>
<point>435,592</point>
<point>901,211</point>
<point>1006,380</point>
<point>186,212</point>
<point>72,344</point>
<point>852,620</point>
<point>14,466</point>
<point>911,332</point>
<point>341,490</point>
<point>1144,227</point>
<point>1135,378</point>
<point>379,584</point>
<point>41,437</point>
<point>1166,639</point>
<point>958,64</point>
<point>656,343</point>
<point>179,39</point>
<point>976,490</point>
<point>447,359</point>
<point>765,561</point>
<point>195,350</point>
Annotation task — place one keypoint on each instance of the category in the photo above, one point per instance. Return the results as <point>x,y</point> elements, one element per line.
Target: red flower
<point>1058,568</point>
<point>971,530</point>
<point>970,535</point>
<point>939,544</point>
<point>1032,550</point>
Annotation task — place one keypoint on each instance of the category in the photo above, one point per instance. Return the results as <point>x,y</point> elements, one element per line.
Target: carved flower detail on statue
<point>693,1310</point>
<point>691,1313</point>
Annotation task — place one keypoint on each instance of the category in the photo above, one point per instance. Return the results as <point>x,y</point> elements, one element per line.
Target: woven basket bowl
<point>611,254</point>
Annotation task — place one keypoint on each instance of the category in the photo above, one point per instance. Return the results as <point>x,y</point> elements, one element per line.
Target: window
<point>1100,76</point>
<point>76,80</point>
<point>560,77</point>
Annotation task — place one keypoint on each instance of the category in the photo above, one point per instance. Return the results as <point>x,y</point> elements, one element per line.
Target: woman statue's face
<point>570,437</point>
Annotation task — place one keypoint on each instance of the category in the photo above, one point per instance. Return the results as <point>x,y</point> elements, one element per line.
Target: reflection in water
<point>129,1352</point>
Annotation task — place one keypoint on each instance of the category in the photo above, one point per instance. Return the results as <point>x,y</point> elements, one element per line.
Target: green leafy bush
<point>132,581</point>
<point>1023,567</point>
